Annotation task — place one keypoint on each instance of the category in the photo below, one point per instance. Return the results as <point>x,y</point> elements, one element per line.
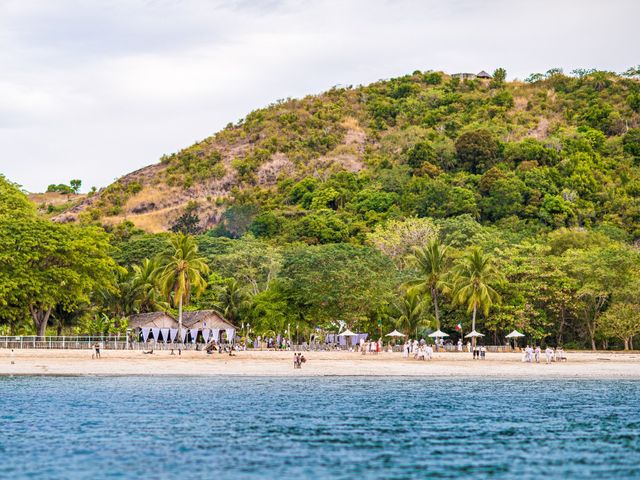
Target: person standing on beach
<point>549,354</point>
<point>97,349</point>
<point>537,353</point>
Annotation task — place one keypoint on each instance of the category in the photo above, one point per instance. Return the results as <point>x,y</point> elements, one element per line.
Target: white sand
<point>605,365</point>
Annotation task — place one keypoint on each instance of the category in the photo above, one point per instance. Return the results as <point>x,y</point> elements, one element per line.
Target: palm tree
<point>474,275</point>
<point>145,281</point>
<point>432,261</point>
<point>232,300</point>
<point>410,311</point>
<point>181,270</point>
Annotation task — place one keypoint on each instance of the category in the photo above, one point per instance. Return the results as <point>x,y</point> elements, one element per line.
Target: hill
<point>556,151</point>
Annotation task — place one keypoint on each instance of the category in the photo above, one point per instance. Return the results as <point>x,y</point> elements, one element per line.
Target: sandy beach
<point>590,365</point>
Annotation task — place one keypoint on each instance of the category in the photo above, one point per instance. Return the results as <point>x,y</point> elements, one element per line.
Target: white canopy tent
<point>515,335</point>
<point>438,334</point>
<point>395,333</point>
<point>347,333</point>
<point>473,334</point>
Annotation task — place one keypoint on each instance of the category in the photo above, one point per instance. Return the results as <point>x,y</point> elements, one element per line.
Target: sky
<point>96,89</point>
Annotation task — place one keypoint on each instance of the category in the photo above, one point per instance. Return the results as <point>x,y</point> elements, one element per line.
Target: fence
<point>122,343</point>
<point>88,342</point>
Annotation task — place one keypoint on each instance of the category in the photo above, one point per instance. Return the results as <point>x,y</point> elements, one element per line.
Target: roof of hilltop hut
<point>205,319</point>
<point>152,320</point>
<point>483,74</point>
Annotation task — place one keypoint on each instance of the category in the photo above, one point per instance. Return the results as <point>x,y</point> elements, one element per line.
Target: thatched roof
<point>204,319</point>
<point>152,320</point>
<point>483,74</point>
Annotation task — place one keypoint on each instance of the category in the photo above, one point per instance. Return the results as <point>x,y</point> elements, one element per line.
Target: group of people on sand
<point>479,352</point>
<point>371,346</point>
<point>532,354</point>
<point>298,360</point>
<point>419,350</point>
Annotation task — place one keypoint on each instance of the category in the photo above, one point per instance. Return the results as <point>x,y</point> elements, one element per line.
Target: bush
<point>477,150</point>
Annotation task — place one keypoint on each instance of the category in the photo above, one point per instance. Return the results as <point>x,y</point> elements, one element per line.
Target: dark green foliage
<point>631,143</point>
<point>420,154</point>
<point>188,223</point>
<point>477,150</point>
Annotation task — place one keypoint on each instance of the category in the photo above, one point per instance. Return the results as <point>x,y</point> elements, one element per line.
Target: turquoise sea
<point>320,428</point>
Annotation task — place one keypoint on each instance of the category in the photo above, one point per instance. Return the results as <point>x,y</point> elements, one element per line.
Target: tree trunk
<point>40,319</point>
<point>626,344</point>
<point>434,296</point>
<point>473,324</point>
<point>180,320</point>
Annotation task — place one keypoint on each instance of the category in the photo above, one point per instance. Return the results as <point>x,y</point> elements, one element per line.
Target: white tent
<point>395,333</point>
<point>347,333</point>
<point>438,334</point>
<point>473,334</point>
<point>515,334</point>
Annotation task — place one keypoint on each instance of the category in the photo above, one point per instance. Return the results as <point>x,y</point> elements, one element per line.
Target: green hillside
<point>411,203</point>
<point>557,152</point>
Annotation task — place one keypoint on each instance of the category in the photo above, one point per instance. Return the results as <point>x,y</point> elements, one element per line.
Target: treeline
<point>575,287</point>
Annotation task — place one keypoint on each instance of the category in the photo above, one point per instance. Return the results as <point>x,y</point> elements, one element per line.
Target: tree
<point>598,273</point>
<point>621,320</point>
<point>232,300</point>
<point>188,223</point>
<point>420,154</point>
<point>477,150</point>
<point>397,238</point>
<point>75,185</point>
<point>180,271</point>
<point>499,77</point>
<point>148,295</point>
<point>328,283</point>
<point>432,261</point>
<point>410,312</point>
<point>45,265</point>
<point>474,277</point>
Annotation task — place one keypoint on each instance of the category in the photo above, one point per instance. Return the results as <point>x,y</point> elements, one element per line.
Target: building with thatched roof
<point>472,76</point>
<point>204,319</point>
<point>200,325</point>
<point>152,320</point>
<point>464,76</point>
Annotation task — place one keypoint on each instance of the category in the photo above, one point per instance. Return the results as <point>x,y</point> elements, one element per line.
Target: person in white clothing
<point>405,350</point>
<point>549,354</point>
<point>536,353</point>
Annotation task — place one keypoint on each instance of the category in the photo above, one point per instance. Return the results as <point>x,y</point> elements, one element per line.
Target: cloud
<point>93,90</point>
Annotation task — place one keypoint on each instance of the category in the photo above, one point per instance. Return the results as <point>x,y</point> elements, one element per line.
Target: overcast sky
<point>94,90</point>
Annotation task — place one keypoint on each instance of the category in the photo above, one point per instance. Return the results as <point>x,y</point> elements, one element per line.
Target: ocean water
<point>320,428</point>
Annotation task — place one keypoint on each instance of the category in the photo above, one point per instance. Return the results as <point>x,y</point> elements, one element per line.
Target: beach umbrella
<point>515,335</point>
<point>347,333</point>
<point>438,334</point>
<point>473,335</point>
<point>395,333</point>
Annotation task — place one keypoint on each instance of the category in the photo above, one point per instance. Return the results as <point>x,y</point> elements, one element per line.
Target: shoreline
<point>78,363</point>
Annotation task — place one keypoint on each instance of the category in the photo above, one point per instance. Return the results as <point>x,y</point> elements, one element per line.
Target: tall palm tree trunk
<point>473,323</point>
<point>180,320</point>
<point>434,296</point>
